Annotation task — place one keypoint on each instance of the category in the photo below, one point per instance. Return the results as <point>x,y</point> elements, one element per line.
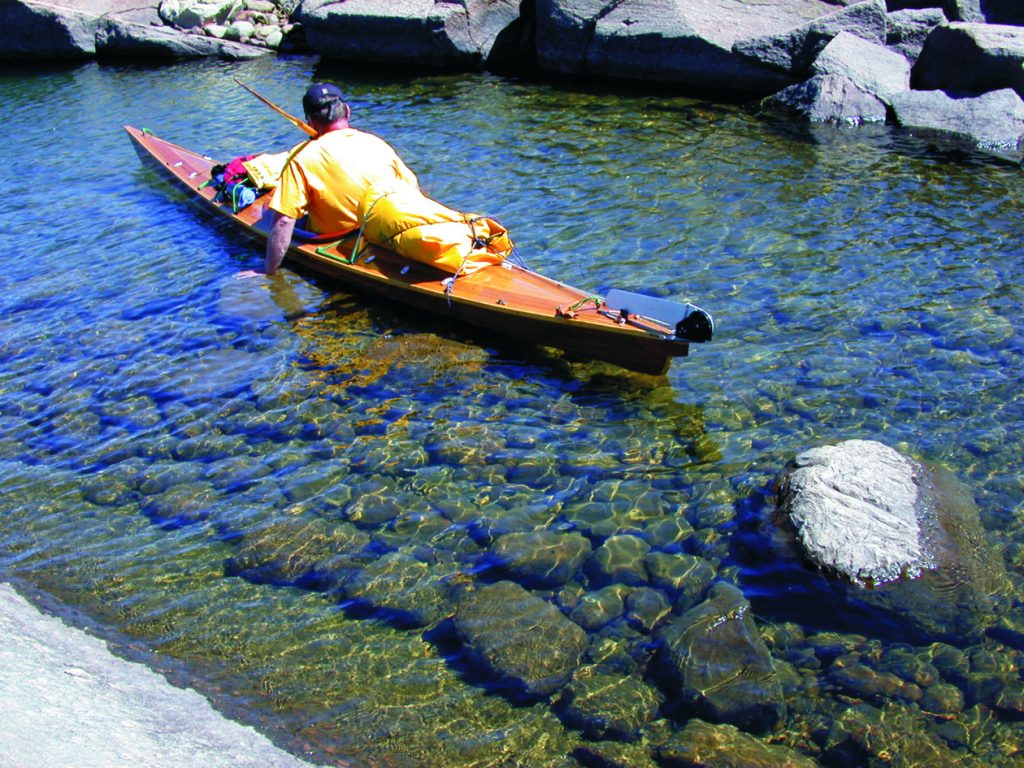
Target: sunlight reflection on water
<point>176,444</point>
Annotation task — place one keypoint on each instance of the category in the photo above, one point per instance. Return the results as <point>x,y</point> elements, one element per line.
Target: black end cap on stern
<point>697,326</point>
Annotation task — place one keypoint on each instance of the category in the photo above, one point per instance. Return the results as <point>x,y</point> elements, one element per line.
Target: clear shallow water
<point>162,424</point>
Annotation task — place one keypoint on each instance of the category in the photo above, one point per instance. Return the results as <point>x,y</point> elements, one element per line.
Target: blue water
<point>158,415</point>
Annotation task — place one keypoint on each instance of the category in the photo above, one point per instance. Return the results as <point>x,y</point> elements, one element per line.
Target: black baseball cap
<point>319,95</point>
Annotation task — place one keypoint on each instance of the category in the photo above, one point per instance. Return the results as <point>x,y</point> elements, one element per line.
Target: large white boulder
<point>855,510</point>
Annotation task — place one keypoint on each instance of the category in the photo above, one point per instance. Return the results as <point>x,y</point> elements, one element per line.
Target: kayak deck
<point>508,299</point>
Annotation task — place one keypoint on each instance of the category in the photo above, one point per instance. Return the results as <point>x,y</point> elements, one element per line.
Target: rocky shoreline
<point>952,69</point>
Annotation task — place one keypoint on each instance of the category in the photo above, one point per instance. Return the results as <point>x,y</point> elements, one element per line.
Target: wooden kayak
<point>508,299</point>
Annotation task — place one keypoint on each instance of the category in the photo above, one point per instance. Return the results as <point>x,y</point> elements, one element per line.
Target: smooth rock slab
<point>68,701</point>
<point>117,38</point>
<point>665,40</point>
<point>524,641</point>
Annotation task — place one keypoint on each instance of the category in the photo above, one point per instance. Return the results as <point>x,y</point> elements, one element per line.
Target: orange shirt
<point>327,177</point>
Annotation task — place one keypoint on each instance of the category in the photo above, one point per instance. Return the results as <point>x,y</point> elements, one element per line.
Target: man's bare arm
<point>281,229</point>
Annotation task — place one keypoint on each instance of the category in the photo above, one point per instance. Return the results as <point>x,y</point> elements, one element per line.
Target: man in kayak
<point>327,176</point>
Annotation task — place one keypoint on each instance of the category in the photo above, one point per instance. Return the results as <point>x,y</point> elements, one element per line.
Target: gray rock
<point>1003,11</point>
<point>971,58</point>
<point>908,29</point>
<point>830,99</point>
<point>954,10</point>
<point>666,41</point>
<point>450,34</point>
<point>274,39</point>
<point>123,712</point>
<point>716,666</point>
<point>991,121</point>
<point>46,31</point>
<point>239,31</point>
<point>541,559</point>
<point>974,11</point>
<point>524,641</point>
<point>871,67</point>
<point>117,38</point>
<point>794,50</point>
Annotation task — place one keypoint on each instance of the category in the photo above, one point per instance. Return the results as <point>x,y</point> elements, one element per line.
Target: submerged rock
<point>864,735</point>
<point>620,560</point>
<point>595,609</point>
<point>614,754</point>
<point>401,589</point>
<point>703,745</point>
<point>300,551</point>
<point>862,682</point>
<point>608,706</point>
<point>714,663</point>
<point>685,578</point>
<point>541,559</point>
<point>522,640</point>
